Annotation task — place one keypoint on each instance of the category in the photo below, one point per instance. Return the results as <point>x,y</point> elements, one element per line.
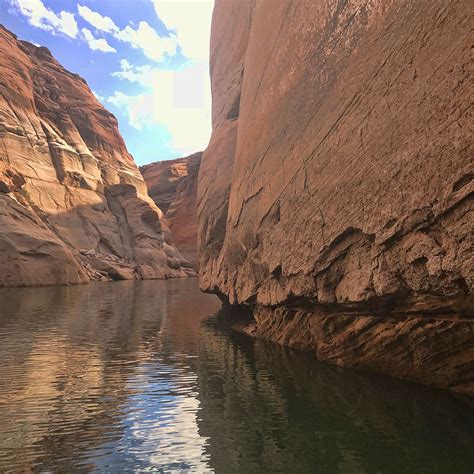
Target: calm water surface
<point>143,376</point>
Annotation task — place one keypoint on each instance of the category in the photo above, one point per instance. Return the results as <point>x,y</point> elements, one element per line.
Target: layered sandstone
<point>74,206</point>
<point>335,197</point>
<point>172,184</point>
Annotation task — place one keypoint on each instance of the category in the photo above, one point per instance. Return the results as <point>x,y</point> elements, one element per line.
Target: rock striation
<point>74,206</point>
<point>335,198</point>
<point>172,184</point>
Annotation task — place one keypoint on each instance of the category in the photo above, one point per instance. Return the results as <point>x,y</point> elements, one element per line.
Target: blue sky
<point>146,61</point>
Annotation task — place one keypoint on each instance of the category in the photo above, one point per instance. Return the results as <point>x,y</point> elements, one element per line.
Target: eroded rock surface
<point>74,205</point>
<point>335,197</point>
<point>172,184</point>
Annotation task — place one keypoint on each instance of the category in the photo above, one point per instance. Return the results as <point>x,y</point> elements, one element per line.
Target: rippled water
<point>137,376</point>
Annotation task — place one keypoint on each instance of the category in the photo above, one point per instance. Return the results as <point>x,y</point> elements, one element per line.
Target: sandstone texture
<point>335,198</point>
<point>74,206</point>
<point>172,184</point>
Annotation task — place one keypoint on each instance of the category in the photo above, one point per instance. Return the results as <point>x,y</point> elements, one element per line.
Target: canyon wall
<point>172,184</point>
<point>74,206</point>
<point>335,196</point>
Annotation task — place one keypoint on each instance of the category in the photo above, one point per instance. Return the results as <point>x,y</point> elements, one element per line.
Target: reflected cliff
<point>136,376</point>
<point>266,408</point>
<point>93,377</point>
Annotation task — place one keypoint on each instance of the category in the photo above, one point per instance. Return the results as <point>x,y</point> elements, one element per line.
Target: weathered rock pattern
<point>74,206</point>
<point>335,197</point>
<point>172,184</point>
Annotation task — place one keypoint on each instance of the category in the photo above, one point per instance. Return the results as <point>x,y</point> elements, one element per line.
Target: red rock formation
<point>172,184</point>
<point>335,197</point>
<point>74,205</point>
<point>162,179</point>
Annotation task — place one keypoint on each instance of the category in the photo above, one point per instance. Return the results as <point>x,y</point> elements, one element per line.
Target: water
<point>137,376</point>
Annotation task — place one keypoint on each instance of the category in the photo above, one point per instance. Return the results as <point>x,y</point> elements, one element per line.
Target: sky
<point>147,61</point>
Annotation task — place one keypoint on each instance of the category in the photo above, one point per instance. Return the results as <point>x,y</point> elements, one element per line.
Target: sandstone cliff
<point>172,184</point>
<point>335,197</point>
<point>73,206</point>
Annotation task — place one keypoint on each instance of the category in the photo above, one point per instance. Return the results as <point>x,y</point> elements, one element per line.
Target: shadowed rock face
<point>335,197</point>
<point>74,205</point>
<point>162,179</point>
<point>172,184</point>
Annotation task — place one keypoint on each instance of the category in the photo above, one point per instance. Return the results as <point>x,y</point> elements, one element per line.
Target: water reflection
<point>101,377</point>
<point>135,376</point>
<point>265,408</point>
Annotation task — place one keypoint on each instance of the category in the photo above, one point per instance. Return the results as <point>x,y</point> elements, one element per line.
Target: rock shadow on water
<point>267,408</point>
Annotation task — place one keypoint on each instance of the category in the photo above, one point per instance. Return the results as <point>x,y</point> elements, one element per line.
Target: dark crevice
<point>462,182</point>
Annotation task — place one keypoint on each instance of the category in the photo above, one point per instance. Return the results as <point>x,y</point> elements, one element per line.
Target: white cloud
<point>191,22</point>
<point>97,44</point>
<point>179,100</point>
<point>144,37</point>
<point>189,30</point>
<point>102,23</point>
<point>138,108</point>
<point>149,41</point>
<point>40,16</point>
<point>143,75</point>
<point>68,24</point>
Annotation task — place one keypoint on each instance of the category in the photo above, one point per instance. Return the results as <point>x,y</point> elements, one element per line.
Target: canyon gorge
<point>333,204</point>
<point>335,196</point>
<point>297,296</point>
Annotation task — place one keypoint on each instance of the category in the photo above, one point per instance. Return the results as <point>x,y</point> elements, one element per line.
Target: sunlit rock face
<point>335,197</point>
<point>172,184</point>
<point>74,205</point>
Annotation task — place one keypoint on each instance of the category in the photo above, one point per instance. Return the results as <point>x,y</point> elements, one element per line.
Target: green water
<point>143,376</point>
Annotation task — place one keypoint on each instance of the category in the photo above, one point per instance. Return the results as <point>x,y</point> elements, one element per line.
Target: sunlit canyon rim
<point>74,206</point>
<point>335,196</point>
